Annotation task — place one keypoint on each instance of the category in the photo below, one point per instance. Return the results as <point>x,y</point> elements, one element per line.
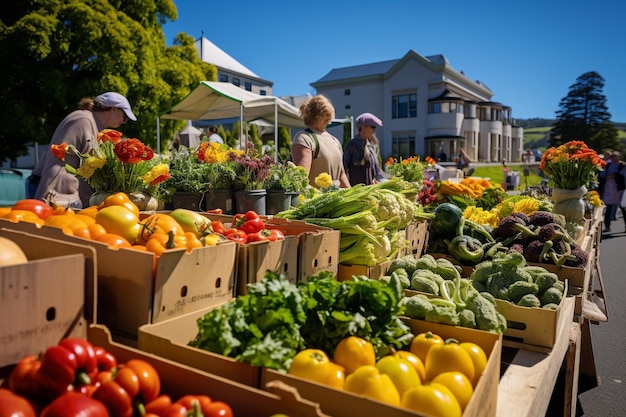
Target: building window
<point>404,106</point>
<point>236,82</point>
<point>346,92</point>
<point>223,78</point>
<point>262,92</point>
<point>347,107</point>
<point>402,146</point>
<point>434,108</point>
<point>248,86</point>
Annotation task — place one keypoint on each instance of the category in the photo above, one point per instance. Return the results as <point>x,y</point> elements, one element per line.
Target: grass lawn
<point>495,173</point>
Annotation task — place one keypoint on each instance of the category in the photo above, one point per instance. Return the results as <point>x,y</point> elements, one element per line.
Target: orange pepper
<point>158,223</point>
<point>120,199</point>
<point>24,216</point>
<point>90,211</point>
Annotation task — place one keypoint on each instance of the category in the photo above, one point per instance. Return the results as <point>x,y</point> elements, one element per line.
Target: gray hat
<point>368,119</point>
<point>112,99</point>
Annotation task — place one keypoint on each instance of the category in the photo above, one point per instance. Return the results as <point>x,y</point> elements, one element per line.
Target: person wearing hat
<point>360,157</point>
<point>49,177</point>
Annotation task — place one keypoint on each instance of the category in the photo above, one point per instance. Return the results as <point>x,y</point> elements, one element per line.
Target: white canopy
<point>220,100</point>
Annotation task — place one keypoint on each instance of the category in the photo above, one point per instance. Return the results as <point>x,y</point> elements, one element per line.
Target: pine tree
<point>584,115</point>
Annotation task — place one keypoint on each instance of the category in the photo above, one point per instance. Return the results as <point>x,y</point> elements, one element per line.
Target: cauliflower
<point>444,314</point>
<point>486,314</point>
<point>467,318</point>
<point>402,275</point>
<point>546,280</point>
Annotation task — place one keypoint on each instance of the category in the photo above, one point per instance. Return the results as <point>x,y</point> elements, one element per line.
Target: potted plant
<point>251,173</point>
<point>189,180</point>
<point>117,165</point>
<point>285,183</point>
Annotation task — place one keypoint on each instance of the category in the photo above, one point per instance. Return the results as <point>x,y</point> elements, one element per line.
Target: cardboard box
<point>532,326</point>
<point>170,339</point>
<point>343,404</point>
<point>43,300</point>
<point>131,292</point>
<point>417,235</point>
<point>345,272</point>
<point>318,247</point>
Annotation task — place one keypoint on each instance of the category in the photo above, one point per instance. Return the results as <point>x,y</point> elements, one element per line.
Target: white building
<point>426,106</point>
<point>230,70</point>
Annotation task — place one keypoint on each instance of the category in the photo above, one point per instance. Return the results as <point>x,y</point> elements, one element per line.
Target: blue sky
<point>528,53</point>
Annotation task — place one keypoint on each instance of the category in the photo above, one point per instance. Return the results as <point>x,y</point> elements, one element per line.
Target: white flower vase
<point>570,203</point>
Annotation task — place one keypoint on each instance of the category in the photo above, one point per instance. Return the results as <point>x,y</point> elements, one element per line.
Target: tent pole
<point>158,131</point>
<point>275,130</point>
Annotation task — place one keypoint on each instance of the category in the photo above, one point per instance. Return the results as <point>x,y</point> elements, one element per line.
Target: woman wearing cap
<point>360,158</point>
<point>314,148</point>
<point>49,178</point>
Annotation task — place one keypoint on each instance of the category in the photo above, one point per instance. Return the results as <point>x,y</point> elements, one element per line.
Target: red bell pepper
<point>158,405</point>
<point>249,222</point>
<point>39,207</point>
<point>106,361</point>
<point>236,235</point>
<point>24,379</point>
<point>115,398</point>
<point>270,235</point>
<point>87,363</point>
<point>13,405</point>
<point>58,370</point>
<point>73,404</point>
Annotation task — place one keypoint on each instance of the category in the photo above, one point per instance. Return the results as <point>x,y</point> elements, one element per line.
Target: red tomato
<point>13,405</point>
<point>75,404</point>
<point>218,409</point>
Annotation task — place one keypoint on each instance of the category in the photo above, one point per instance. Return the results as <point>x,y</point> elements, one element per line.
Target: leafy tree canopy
<point>56,52</point>
<point>584,115</point>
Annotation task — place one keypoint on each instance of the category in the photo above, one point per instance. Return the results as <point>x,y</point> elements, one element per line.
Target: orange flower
<point>132,151</point>
<point>59,150</point>
<point>571,165</point>
<point>109,135</point>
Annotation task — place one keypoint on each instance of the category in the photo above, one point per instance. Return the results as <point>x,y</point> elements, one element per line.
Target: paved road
<point>608,399</point>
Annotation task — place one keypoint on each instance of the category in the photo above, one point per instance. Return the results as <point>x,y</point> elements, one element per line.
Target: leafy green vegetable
<point>276,319</point>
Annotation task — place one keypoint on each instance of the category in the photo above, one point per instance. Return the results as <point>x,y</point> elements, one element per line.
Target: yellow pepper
<point>448,356</point>
<point>314,365</point>
<point>369,382</point>
<point>354,351</point>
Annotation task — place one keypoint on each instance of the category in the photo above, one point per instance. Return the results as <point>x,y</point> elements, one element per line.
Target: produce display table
<point>529,374</point>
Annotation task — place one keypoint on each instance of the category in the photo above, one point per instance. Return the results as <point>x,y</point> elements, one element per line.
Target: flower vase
<point>570,203</point>
<point>144,201</point>
<point>221,198</point>
<point>246,200</point>
<point>277,201</point>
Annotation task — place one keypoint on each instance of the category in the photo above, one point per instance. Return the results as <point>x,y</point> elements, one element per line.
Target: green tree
<point>584,115</point>
<point>56,52</point>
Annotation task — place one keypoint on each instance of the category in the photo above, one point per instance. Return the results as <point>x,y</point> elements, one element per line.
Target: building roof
<point>365,70</point>
<point>211,53</point>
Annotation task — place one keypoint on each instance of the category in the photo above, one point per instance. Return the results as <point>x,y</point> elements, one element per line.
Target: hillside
<point>537,133</point>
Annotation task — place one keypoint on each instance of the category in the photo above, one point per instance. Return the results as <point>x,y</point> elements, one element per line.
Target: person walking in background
<point>360,158</point>
<point>49,177</point>
<point>214,136</point>
<point>314,148</point>
<point>463,162</point>
<point>612,182</point>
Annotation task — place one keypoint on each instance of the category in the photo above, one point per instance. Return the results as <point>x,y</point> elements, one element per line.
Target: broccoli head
<point>519,289</point>
<point>467,318</point>
<point>426,261</point>
<point>407,262</point>
<point>546,280</point>
<point>485,313</point>
<point>560,285</point>
<point>426,281</point>
<point>402,275</point>
<point>443,314</point>
<point>529,300</point>
<point>416,306</point>
<point>551,295</point>
<point>550,306</point>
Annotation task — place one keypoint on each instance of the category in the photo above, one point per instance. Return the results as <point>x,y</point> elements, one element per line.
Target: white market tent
<point>221,100</point>
<point>190,136</point>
